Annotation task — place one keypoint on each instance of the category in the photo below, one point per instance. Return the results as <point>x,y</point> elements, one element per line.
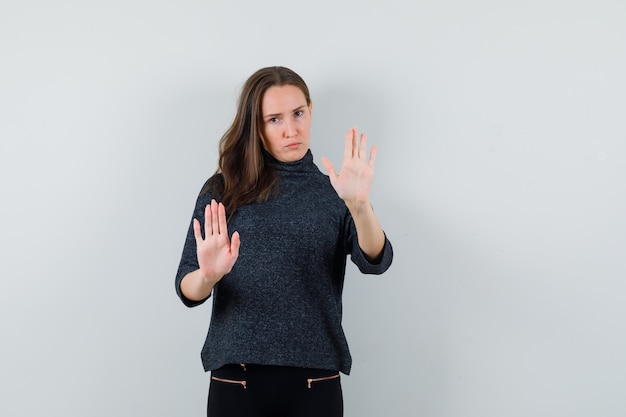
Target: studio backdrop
<point>500,180</point>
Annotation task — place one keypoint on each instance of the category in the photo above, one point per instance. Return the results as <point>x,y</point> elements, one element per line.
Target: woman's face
<point>286,123</point>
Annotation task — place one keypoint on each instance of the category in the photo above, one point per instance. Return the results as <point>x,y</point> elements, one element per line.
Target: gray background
<point>500,181</point>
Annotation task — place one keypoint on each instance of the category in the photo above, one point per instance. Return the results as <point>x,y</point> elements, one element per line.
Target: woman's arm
<point>353,184</point>
<point>369,231</point>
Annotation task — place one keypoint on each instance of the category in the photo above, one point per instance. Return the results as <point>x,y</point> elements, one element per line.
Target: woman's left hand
<point>354,180</point>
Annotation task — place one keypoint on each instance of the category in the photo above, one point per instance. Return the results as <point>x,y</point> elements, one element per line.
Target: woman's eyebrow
<point>278,114</point>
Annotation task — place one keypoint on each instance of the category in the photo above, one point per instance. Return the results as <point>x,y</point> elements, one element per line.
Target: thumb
<point>328,166</point>
<point>235,242</point>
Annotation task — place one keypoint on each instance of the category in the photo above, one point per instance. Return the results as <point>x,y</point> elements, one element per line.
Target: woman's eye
<point>299,113</point>
<point>273,120</point>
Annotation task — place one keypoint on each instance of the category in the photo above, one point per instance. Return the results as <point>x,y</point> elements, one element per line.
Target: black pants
<point>274,391</point>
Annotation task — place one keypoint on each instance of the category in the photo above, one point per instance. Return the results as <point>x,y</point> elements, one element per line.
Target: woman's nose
<point>290,129</point>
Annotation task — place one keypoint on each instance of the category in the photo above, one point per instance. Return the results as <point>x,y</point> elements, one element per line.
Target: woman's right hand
<point>216,252</point>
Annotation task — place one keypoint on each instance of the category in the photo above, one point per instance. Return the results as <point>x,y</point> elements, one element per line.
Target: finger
<point>221,213</point>
<point>363,146</point>
<point>328,166</point>
<point>332,175</point>
<point>196,231</point>
<point>214,218</point>
<point>235,243</point>
<point>349,145</point>
<point>372,160</point>
<point>207,221</point>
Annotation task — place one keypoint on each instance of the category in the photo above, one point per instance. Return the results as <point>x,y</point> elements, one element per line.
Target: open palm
<point>216,252</point>
<point>354,180</point>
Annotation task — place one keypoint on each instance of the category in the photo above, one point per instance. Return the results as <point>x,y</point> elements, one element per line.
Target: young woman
<point>269,240</point>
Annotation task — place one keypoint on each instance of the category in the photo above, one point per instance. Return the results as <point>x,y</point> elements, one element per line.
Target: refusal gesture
<point>354,180</point>
<point>216,252</point>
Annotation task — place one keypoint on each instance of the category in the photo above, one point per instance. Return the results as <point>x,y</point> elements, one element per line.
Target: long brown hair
<point>242,176</point>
